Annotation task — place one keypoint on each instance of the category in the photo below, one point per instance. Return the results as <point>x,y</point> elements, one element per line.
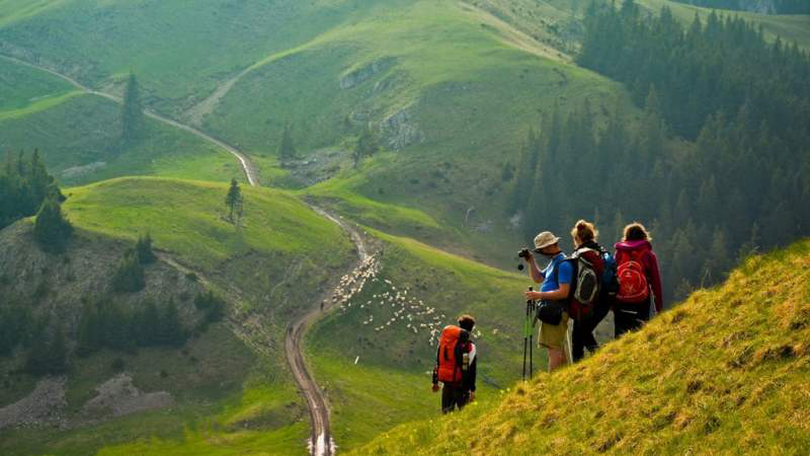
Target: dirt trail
<point>321,443</point>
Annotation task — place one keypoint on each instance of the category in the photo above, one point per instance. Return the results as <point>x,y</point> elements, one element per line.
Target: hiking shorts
<point>554,336</point>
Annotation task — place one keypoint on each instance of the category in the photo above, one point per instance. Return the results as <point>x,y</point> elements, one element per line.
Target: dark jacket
<point>650,263</point>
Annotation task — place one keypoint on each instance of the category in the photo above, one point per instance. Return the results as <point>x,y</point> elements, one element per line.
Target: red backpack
<point>452,357</point>
<point>633,286</point>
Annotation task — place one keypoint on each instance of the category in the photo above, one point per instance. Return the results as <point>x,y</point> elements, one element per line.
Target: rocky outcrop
<point>400,129</point>
<point>758,6</point>
<point>42,407</point>
<point>119,397</point>
<point>360,75</point>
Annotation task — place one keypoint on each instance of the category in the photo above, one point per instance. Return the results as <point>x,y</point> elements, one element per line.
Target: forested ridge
<point>24,185</point>
<point>774,6</point>
<point>719,163</point>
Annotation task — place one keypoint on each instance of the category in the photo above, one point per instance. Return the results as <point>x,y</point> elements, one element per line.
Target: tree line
<point>24,185</point>
<point>776,6</point>
<point>738,184</point>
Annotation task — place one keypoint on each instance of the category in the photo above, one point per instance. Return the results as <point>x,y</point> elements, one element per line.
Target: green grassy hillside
<point>454,85</point>
<point>390,329</point>
<point>228,395</point>
<point>723,373</point>
<point>77,134</point>
<point>198,47</point>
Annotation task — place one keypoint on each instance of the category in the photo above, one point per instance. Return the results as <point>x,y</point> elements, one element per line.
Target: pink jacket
<point>650,263</point>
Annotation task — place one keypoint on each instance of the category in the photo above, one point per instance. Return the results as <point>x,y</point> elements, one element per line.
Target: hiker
<point>584,236</point>
<point>456,363</point>
<point>553,296</point>
<point>639,280</point>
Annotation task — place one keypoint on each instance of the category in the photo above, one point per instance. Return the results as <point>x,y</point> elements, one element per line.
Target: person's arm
<point>657,286</point>
<point>535,272</point>
<point>565,272</point>
<point>557,295</point>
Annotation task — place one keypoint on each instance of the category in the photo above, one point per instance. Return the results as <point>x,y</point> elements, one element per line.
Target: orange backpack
<point>452,355</point>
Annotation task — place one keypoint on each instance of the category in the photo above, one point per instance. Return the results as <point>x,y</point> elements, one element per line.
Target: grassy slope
<point>724,373</point>
<point>190,49</point>
<point>188,219</point>
<point>37,85</point>
<point>71,129</point>
<point>389,385</point>
<point>282,253</point>
<point>476,87</point>
<point>476,97</point>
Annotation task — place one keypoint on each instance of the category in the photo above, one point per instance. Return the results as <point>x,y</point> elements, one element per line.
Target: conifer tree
<point>144,249</point>
<point>234,200</point>
<point>129,278</point>
<point>132,118</point>
<point>286,149</point>
<point>51,230</point>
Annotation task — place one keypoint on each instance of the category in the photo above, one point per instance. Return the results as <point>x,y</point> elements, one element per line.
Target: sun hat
<point>544,240</point>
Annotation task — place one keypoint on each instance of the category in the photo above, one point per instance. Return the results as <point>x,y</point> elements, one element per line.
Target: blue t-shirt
<point>563,276</point>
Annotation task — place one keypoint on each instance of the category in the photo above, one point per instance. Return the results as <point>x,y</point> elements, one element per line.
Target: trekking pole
<point>527,336</point>
<point>532,309</point>
<point>525,341</point>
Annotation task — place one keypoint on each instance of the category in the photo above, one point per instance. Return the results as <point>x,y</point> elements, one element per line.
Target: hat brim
<point>547,244</point>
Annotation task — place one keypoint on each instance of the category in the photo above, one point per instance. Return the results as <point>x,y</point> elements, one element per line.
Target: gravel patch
<point>42,407</point>
<point>119,397</point>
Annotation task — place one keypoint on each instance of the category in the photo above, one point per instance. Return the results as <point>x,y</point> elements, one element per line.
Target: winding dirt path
<point>321,442</point>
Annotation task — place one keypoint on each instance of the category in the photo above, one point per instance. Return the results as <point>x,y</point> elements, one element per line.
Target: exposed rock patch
<point>119,397</point>
<point>78,171</point>
<point>400,129</point>
<point>42,407</point>
<point>366,72</point>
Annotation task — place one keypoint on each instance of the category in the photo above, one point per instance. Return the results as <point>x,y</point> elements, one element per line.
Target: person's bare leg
<point>556,359</point>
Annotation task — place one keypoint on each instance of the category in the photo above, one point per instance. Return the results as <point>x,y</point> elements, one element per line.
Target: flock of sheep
<point>408,311</point>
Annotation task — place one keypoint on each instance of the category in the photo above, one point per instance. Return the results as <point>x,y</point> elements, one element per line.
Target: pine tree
<point>129,278</point>
<point>234,200</point>
<point>286,149</point>
<point>144,249</point>
<point>132,118</point>
<point>51,230</point>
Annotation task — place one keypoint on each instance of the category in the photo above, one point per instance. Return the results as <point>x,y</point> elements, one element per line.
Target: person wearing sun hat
<point>555,280</point>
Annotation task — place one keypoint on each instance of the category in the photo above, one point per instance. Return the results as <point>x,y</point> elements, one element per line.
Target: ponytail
<point>585,231</point>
